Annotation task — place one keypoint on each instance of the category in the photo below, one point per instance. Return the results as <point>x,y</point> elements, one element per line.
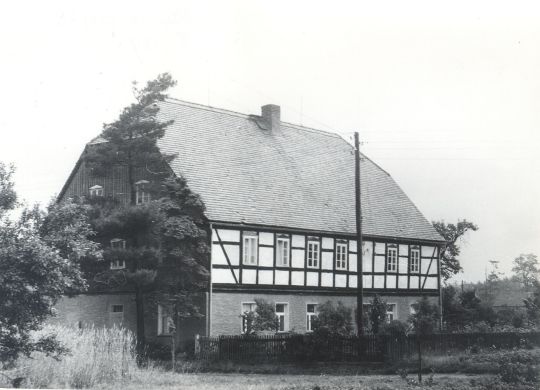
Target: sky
<point>445,96</point>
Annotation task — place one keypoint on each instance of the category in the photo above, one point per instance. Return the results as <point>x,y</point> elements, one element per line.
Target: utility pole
<point>359,244</point>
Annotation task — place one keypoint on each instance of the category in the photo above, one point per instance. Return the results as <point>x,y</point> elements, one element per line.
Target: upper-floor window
<point>165,323</point>
<point>282,313</point>
<point>391,260</point>
<point>250,248</point>
<point>311,312</point>
<point>118,243</point>
<point>391,313</point>
<point>282,258</point>
<point>415,260</point>
<point>248,309</point>
<point>341,255</point>
<point>313,254</point>
<point>142,195</point>
<point>96,190</point>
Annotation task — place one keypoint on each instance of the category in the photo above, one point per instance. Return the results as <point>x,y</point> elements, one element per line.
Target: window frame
<point>253,239</point>
<point>391,266</point>
<point>310,315</point>
<point>342,264</point>
<point>285,315</point>
<point>242,311</point>
<point>95,191</point>
<point>163,312</point>
<point>309,251</point>
<point>392,312</point>
<point>284,253</point>
<point>414,270</point>
<point>142,195</point>
<point>118,264</point>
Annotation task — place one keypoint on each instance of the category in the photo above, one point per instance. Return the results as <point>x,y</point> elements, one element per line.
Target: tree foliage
<point>526,269</point>
<point>333,320</point>
<point>532,304</point>
<point>262,319</point>
<point>40,256</point>
<point>377,313</point>
<point>453,234</point>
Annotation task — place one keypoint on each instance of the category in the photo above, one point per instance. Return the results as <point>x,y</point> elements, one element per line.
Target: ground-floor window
<point>311,312</point>
<point>282,313</point>
<point>391,313</point>
<point>116,313</point>
<point>247,308</point>
<point>165,321</point>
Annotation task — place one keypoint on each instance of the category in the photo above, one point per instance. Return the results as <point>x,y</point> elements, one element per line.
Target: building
<point>280,199</point>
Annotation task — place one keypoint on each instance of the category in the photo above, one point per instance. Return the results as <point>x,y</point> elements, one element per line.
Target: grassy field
<point>169,381</point>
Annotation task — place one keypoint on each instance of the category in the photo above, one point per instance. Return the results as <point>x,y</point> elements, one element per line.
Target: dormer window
<point>96,191</point>
<point>142,195</point>
<point>118,243</point>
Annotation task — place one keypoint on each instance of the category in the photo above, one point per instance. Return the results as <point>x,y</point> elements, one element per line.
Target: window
<point>96,191</point>
<point>116,314</point>
<point>282,258</point>
<point>142,195</point>
<point>282,313</point>
<point>250,248</point>
<point>415,260</point>
<point>391,314</point>
<point>165,322</point>
<point>391,260</point>
<point>247,307</point>
<point>311,312</point>
<point>117,308</point>
<point>118,244</point>
<point>341,255</point>
<point>313,254</point>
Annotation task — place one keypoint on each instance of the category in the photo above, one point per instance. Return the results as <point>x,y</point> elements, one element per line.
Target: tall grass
<point>96,356</point>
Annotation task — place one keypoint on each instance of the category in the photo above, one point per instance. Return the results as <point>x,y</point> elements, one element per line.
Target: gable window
<point>118,244</point>
<point>142,195</point>
<point>391,313</point>
<point>283,245</point>
<point>311,312</point>
<point>282,313</point>
<point>96,191</point>
<point>247,307</point>
<point>313,254</point>
<point>415,260</point>
<point>250,248</point>
<point>341,255</point>
<point>165,324</point>
<point>391,260</point>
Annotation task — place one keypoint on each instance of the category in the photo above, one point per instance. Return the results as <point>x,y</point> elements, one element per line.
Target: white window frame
<point>392,312</point>
<point>415,261</point>
<point>313,254</point>
<point>391,259</point>
<point>341,255</point>
<point>283,253</point>
<point>310,315</point>
<point>96,190</point>
<point>284,314</point>
<point>141,193</point>
<point>163,316</point>
<point>253,307</point>
<point>250,249</point>
<point>118,264</point>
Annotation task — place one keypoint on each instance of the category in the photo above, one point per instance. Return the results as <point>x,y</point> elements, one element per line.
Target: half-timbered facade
<point>281,204</point>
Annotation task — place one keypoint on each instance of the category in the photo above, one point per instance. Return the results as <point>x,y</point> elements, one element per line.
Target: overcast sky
<point>446,98</point>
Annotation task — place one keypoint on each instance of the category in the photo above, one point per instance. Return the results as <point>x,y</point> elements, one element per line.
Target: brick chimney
<point>271,115</point>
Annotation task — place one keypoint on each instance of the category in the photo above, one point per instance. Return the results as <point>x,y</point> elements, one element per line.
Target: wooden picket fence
<point>371,348</point>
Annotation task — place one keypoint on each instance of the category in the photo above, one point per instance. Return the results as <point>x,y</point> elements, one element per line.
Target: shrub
<point>377,313</point>
<point>518,320</point>
<point>518,367</point>
<point>394,328</point>
<point>333,320</point>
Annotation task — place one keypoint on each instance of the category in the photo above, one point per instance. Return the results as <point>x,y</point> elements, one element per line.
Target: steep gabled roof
<point>296,177</point>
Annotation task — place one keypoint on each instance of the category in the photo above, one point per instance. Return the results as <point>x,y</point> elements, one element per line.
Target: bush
<point>518,367</point>
<point>333,320</point>
<point>394,328</point>
<point>518,320</point>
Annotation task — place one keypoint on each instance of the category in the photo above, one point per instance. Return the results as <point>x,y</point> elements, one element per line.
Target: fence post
<point>197,345</point>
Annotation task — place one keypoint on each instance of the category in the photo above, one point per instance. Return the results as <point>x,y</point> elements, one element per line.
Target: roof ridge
<point>242,115</point>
